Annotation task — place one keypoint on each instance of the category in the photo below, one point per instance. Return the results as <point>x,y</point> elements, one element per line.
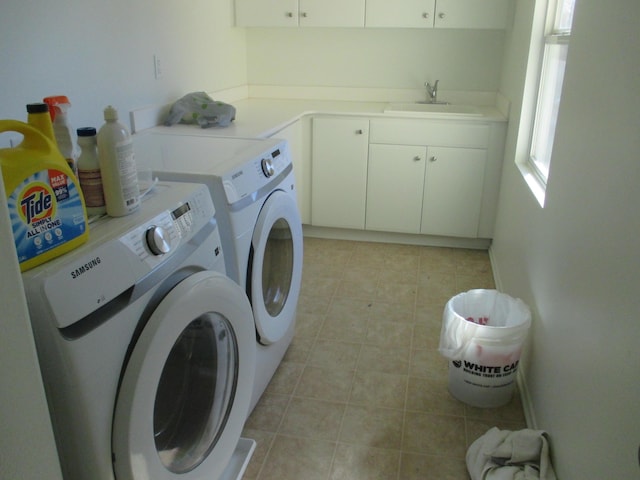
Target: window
<point>556,43</point>
<point>550,34</point>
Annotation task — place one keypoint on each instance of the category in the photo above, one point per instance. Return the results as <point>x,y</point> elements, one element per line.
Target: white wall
<point>468,60</point>
<point>576,261</point>
<point>97,53</point>
<point>101,52</point>
<point>27,448</point>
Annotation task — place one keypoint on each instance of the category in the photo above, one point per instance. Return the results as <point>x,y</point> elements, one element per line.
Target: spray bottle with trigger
<point>58,107</point>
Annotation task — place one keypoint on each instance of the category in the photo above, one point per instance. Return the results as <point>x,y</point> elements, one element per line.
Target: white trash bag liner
<point>483,332</point>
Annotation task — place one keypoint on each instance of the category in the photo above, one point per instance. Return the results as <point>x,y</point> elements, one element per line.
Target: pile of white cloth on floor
<point>510,455</point>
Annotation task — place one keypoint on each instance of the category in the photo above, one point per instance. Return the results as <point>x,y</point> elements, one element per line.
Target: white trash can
<point>483,332</point>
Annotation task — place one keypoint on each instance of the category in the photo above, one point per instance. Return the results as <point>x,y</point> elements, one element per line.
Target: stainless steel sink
<point>430,108</point>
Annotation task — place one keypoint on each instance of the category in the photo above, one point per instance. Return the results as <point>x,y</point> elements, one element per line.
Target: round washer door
<point>185,392</point>
<point>276,266</point>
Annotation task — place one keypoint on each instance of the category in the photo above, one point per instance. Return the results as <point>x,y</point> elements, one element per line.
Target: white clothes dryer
<point>147,349</point>
<point>253,189</point>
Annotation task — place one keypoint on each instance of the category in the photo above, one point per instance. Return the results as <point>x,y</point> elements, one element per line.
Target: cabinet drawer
<point>429,132</point>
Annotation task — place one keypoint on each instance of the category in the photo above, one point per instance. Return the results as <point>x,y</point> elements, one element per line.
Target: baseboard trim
<point>390,237</point>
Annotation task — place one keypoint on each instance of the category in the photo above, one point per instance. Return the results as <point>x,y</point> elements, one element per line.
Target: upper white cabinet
<point>490,14</point>
<point>302,13</point>
<point>400,13</point>
<point>275,13</point>
<point>481,14</point>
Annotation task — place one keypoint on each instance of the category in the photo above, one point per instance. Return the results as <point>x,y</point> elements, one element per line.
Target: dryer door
<point>276,267</point>
<point>186,389</point>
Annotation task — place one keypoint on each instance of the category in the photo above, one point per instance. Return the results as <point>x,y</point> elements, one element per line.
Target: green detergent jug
<point>46,207</point>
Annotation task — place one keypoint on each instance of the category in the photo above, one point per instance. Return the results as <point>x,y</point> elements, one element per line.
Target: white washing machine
<point>147,349</point>
<point>253,189</point>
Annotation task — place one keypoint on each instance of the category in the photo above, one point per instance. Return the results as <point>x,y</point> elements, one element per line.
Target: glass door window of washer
<point>195,393</point>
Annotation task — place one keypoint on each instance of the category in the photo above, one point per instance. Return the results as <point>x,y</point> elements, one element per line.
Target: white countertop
<point>262,117</point>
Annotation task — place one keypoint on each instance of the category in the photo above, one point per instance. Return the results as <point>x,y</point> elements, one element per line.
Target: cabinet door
<point>400,13</point>
<point>274,13</point>
<point>453,191</point>
<point>490,14</point>
<point>332,13</point>
<point>339,172</point>
<point>395,181</point>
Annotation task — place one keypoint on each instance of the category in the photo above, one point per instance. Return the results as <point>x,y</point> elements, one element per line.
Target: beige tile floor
<point>362,392</point>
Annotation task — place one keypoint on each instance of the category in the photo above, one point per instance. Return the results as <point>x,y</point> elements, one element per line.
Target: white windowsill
<point>533,181</point>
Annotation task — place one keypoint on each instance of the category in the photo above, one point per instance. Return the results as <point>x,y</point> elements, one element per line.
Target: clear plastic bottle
<point>89,174</point>
<point>118,166</point>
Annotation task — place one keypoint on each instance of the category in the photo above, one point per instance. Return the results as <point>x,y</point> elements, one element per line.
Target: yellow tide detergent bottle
<point>47,210</point>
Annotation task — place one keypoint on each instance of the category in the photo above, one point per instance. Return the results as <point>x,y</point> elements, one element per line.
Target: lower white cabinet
<point>431,177</point>
<point>429,190</point>
<point>339,172</point>
<point>395,186</point>
<point>453,191</point>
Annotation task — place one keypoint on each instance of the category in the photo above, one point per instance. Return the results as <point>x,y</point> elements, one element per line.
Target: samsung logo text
<point>85,268</point>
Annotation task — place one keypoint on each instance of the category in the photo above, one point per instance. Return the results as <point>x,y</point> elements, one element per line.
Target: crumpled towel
<point>200,108</point>
<point>506,455</point>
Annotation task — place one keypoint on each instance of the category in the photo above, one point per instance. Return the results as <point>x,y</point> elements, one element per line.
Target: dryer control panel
<point>123,250</point>
<point>257,174</point>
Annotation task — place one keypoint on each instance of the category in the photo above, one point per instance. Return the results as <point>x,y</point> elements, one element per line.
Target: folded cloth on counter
<point>200,108</point>
<point>510,455</point>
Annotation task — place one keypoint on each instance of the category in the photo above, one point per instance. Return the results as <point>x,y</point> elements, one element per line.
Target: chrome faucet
<point>432,91</point>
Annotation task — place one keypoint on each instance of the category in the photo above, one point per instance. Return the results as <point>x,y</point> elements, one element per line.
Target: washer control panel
<point>121,251</point>
<point>161,235</point>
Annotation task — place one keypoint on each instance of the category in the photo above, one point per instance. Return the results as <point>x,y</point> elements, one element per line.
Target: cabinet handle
<point>433,159</point>
<point>425,15</point>
<point>417,158</point>
<point>359,132</point>
<point>303,14</point>
<point>441,15</point>
<point>289,14</point>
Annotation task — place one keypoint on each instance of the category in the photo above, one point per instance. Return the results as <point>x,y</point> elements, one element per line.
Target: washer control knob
<point>158,240</point>
<point>267,167</point>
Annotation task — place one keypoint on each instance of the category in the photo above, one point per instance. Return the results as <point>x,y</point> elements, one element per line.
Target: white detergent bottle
<point>118,166</point>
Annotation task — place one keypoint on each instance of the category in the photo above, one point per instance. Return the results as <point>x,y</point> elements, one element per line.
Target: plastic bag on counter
<point>200,108</point>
